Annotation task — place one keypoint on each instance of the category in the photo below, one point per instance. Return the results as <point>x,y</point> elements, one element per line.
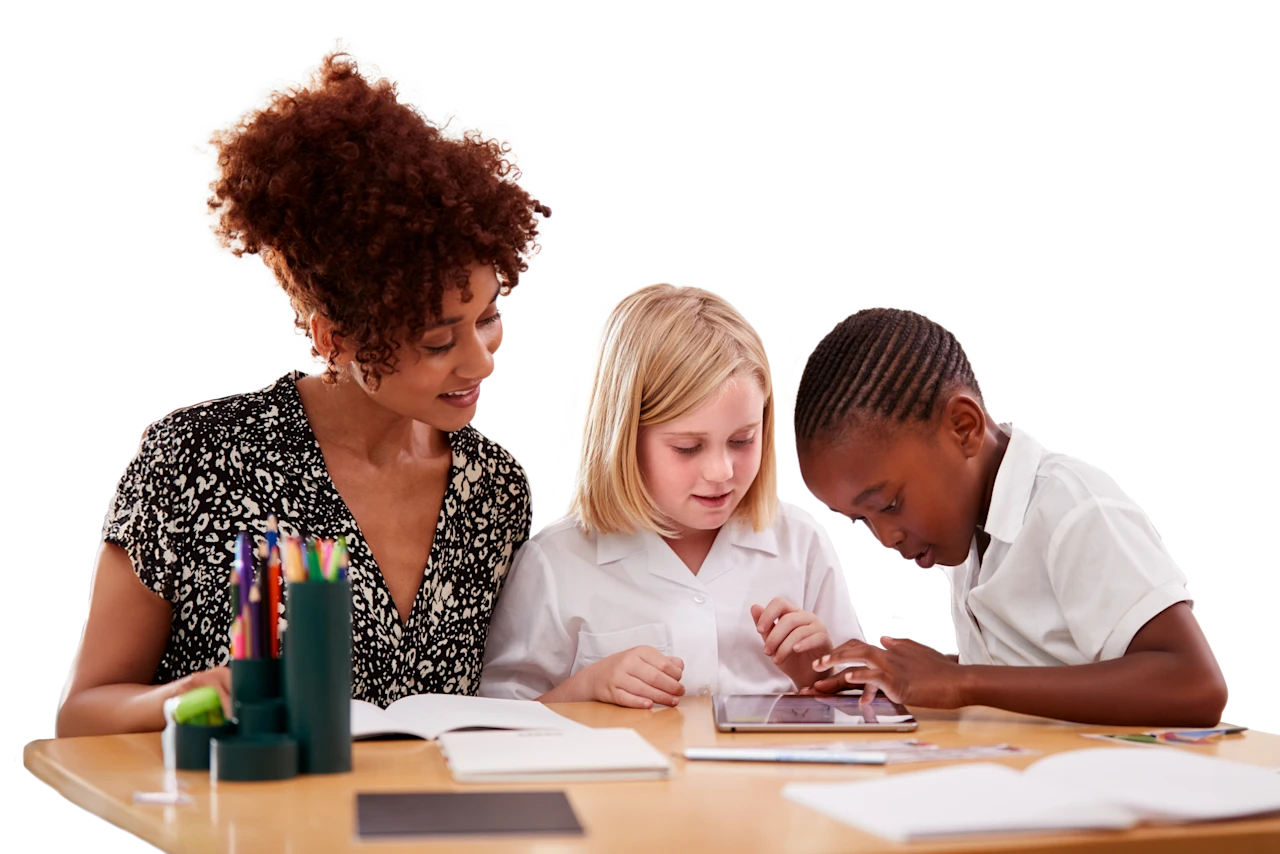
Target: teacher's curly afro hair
<point>365,211</point>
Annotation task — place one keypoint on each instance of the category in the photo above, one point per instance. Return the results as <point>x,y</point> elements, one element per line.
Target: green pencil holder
<point>244,759</point>
<point>267,717</point>
<point>254,680</point>
<point>317,674</point>
<point>188,744</point>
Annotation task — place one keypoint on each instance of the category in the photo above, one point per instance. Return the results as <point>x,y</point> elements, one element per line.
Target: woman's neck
<point>344,416</point>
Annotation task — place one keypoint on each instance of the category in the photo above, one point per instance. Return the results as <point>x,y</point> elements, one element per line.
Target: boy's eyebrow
<point>450,321</point>
<point>694,434</point>
<point>870,491</point>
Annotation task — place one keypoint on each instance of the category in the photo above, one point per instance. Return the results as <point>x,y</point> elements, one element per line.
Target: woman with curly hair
<point>393,243</point>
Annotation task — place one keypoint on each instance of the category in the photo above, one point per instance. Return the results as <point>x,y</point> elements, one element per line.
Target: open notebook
<point>1103,788</point>
<point>429,715</point>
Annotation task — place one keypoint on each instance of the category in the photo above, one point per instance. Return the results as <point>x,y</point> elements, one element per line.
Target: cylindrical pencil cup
<point>186,746</point>
<point>254,680</point>
<point>264,757</point>
<point>267,717</point>
<point>317,674</point>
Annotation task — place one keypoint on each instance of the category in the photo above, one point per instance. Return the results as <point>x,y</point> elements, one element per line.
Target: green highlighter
<point>199,707</point>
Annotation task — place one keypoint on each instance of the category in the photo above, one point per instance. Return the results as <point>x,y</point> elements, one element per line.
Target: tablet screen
<point>809,710</point>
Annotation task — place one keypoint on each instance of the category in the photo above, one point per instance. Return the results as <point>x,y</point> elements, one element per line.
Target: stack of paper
<point>1105,788</point>
<point>540,755</point>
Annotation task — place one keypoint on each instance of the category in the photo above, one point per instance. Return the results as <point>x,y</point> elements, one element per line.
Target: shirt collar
<point>616,546</point>
<point>1014,481</point>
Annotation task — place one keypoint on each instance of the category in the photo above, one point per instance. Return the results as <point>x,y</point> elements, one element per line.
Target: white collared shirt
<point>573,598</point>
<point>1073,571</point>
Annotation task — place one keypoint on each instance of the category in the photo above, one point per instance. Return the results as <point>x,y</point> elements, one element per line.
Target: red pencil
<point>273,603</point>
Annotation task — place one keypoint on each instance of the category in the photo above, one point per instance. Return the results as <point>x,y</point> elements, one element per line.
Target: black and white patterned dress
<point>206,473</point>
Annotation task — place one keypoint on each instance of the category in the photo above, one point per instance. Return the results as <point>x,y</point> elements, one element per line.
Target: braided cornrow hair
<point>878,368</point>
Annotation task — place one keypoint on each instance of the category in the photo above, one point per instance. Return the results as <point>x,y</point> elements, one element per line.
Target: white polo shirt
<point>573,598</point>
<point>1073,570</point>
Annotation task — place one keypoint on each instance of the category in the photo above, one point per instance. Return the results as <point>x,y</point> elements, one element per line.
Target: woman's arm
<point>110,688</point>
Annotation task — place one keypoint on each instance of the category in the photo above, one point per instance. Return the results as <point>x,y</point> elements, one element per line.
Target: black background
<point>653,181</point>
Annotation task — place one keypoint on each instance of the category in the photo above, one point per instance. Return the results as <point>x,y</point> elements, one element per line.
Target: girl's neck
<point>344,416</point>
<point>993,455</point>
<point>693,547</point>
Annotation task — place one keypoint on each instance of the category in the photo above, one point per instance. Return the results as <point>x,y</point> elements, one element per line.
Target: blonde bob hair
<point>666,352</point>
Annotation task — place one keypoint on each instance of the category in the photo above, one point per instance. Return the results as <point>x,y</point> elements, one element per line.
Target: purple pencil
<point>244,568</point>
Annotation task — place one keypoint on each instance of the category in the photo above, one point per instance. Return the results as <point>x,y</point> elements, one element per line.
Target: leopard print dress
<point>206,473</point>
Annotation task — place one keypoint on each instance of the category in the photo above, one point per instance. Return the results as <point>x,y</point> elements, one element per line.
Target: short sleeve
<point>825,592</point>
<point>1111,574</point>
<point>528,651</point>
<point>142,518</point>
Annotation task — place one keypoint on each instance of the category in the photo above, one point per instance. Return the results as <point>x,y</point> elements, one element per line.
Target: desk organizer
<point>291,693</point>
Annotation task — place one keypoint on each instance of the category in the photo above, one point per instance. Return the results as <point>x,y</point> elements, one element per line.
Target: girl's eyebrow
<point>870,491</point>
<point>694,434</point>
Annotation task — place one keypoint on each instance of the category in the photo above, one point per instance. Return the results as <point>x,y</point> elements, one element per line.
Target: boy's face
<point>699,467</point>
<point>918,490</point>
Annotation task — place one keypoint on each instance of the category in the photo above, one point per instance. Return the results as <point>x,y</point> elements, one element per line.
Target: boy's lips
<point>925,558</point>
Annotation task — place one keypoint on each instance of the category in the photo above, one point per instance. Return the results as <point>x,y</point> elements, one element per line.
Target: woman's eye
<point>443,348</point>
<point>680,450</point>
<point>492,319</point>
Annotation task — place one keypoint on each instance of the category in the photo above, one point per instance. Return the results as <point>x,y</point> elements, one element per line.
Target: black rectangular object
<point>392,814</point>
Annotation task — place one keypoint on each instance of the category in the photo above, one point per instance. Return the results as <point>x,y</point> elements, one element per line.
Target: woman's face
<point>437,377</point>
<point>698,468</point>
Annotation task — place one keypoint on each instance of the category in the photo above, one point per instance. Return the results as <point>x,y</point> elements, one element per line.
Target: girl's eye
<point>750,441</point>
<point>680,450</point>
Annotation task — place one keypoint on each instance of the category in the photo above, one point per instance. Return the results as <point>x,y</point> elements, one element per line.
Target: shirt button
<point>699,598</point>
<point>704,691</point>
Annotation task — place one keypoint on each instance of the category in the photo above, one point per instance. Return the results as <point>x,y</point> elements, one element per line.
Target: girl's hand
<point>793,639</point>
<point>906,671</point>
<point>636,678</point>
<point>218,678</point>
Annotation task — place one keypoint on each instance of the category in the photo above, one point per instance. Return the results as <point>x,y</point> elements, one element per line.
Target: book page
<point>429,715</point>
<point>963,799</point>
<point>1166,784</point>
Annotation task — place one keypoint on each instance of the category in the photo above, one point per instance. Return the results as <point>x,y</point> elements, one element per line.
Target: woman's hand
<point>794,639</point>
<point>636,678</point>
<point>906,671</point>
<point>219,678</point>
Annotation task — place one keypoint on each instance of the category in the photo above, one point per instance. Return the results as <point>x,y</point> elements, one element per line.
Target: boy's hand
<point>636,678</point>
<point>792,638</point>
<point>906,671</point>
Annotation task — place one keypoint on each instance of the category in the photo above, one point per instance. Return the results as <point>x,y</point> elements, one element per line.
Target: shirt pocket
<point>593,646</point>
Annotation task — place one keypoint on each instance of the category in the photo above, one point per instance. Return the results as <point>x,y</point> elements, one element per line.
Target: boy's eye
<point>680,450</point>
<point>893,505</point>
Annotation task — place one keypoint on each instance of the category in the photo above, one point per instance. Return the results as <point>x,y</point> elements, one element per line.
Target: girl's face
<point>437,377</point>
<point>698,468</point>
<point>918,491</point>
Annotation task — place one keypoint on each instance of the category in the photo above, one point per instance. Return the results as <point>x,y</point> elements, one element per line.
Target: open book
<point>428,715</point>
<point>1102,788</point>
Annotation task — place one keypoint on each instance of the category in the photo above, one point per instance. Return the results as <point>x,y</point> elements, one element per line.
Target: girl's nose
<point>718,468</point>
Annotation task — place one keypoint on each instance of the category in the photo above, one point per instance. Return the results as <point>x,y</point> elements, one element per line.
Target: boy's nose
<point>889,536</point>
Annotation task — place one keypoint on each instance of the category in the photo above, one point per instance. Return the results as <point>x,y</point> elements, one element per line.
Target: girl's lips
<point>713,501</point>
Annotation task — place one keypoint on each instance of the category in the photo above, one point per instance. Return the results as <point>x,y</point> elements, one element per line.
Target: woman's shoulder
<point>271,412</point>
<point>482,458</point>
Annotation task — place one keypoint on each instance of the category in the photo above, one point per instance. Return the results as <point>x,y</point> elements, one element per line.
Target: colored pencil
<point>273,604</point>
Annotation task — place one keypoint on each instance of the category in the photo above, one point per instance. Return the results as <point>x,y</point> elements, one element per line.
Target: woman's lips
<point>463,397</point>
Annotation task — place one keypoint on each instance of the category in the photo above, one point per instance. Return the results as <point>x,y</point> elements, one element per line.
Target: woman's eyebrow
<point>450,321</point>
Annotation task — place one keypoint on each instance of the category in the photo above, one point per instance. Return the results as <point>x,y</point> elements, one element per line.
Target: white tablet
<point>829,712</point>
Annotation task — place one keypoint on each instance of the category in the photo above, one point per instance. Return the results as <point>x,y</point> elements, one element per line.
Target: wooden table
<point>705,806</point>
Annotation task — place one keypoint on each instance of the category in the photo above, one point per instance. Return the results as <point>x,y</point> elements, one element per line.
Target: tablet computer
<point>827,712</point>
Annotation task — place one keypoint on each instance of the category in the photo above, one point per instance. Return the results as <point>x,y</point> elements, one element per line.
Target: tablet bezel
<point>723,725</point>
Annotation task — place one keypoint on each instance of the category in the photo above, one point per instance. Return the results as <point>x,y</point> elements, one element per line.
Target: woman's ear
<point>326,341</point>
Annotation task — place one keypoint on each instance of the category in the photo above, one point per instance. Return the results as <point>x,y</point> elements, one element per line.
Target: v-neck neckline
<point>391,618</point>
